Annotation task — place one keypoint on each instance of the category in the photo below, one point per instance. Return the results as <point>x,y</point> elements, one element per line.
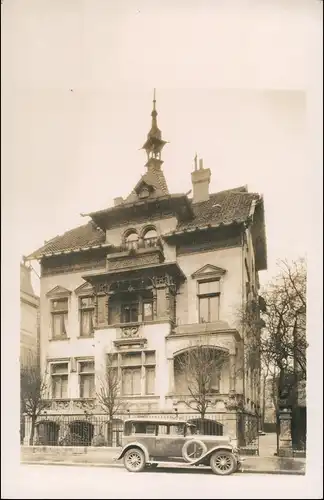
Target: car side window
<point>139,428</point>
<point>150,429</point>
<point>177,430</point>
<point>163,430</point>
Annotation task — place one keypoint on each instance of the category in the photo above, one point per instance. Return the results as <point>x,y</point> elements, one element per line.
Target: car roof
<point>161,421</point>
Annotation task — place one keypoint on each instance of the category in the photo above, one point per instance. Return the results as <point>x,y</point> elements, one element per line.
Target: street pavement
<point>55,481</point>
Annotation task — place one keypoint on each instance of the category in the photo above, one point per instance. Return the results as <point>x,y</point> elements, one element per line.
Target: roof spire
<point>154,143</point>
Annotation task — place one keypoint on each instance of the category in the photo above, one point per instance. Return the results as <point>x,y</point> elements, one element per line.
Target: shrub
<point>98,440</point>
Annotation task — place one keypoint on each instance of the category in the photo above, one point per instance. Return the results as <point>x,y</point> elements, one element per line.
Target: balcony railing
<point>135,253</point>
<point>143,243</point>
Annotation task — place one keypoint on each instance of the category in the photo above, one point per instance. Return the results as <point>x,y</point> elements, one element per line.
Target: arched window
<point>131,240</point>
<point>191,366</point>
<point>150,238</point>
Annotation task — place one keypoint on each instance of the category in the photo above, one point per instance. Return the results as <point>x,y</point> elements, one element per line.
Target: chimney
<point>200,182</point>
<point>118,201</point>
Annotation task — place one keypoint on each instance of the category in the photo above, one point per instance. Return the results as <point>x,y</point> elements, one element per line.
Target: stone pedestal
<point>285,441</point>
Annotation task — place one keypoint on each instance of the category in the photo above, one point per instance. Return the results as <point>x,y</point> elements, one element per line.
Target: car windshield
<point>191,429</point>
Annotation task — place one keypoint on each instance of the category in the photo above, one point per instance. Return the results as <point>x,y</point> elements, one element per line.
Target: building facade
<point>29,317</point>
<point>147,280</point>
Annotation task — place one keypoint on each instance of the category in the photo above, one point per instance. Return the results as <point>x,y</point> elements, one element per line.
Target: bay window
<point>136,371</point>
<point>130,308</point>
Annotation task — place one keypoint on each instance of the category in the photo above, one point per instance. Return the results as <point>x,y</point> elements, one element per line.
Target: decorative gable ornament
<point>58,291</point>
<point>209,271</point>
<point>85,289</point>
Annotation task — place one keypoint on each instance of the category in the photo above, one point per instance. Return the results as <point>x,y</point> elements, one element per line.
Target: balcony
<point>134,254</point>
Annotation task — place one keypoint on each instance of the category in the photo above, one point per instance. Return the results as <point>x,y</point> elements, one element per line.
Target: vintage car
<point>148,442</point>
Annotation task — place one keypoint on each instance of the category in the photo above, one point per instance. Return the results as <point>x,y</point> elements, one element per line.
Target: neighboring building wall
<point>29,317</point>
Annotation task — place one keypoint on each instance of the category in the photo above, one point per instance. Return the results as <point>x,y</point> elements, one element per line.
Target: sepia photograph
<point>162,249</point>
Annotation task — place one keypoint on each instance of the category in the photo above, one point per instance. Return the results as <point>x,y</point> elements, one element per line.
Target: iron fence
<point>98,430</point>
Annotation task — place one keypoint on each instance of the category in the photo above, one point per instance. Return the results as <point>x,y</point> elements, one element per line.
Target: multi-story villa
<point>145,281</point>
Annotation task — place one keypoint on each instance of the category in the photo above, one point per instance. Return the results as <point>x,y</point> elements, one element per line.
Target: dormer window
<point>131,241</point>
<point>144,193</point>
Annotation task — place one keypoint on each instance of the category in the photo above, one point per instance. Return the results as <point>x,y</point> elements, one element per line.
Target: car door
<point>169,441</point>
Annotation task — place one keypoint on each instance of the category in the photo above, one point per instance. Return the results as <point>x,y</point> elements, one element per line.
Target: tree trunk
<point>110,432</point>
<point>32,430</point>
<point>263,403</point>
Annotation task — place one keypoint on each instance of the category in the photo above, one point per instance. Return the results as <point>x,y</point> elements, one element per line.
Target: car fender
<point>210,452</point>
<point>134,445</point>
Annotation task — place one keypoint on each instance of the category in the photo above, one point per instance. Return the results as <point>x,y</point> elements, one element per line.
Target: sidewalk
<point>104,457</point>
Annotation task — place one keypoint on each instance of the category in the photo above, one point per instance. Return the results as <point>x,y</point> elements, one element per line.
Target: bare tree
<point>284,341</point>
<point>274,329</point>
<point>108,394</point>
<point>200,365</point>
<point>33,393</point>
<point>250,324</point>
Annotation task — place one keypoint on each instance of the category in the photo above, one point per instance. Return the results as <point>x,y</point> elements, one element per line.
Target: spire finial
<point>154,143</point>
<point>196,162</point>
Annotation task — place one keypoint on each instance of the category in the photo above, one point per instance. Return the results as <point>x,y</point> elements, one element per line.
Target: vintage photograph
<point>162,241</point>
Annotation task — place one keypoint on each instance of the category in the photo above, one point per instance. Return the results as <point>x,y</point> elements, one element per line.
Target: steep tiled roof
<point>225,207</point>
<point>80,237</point>
<point>222,208</point>
<point>153,177</point>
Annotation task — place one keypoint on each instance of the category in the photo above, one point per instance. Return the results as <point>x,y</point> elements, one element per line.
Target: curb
<point>120,466</point>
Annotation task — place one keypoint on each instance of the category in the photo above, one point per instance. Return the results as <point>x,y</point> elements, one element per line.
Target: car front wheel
<point>223,463</point>
<point>134,460</point>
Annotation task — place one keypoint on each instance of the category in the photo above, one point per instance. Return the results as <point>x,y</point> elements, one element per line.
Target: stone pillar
<point>154,303</point>
<point>232,374</point>
<point>285,442</point>
<point>171,375</point>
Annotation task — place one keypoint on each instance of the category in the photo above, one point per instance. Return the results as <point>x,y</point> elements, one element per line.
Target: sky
<point>231,81</point>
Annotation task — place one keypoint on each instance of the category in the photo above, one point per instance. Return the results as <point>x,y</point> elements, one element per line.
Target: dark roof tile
<point>87,235</point>
<point>222,208</point>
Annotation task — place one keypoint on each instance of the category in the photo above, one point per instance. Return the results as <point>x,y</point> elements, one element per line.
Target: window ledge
<point>188,395</point>
<point>126,325</point>
<point>84,399</point>
<point>148,396</point>
<point>85,336</point>
<point>56,339</point>
<point>138,323</point>
<point>131,341</point>
<point>57,400</point>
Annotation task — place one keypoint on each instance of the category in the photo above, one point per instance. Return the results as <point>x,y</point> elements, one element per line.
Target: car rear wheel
<point>134,460</point>
<point>223,463</point>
